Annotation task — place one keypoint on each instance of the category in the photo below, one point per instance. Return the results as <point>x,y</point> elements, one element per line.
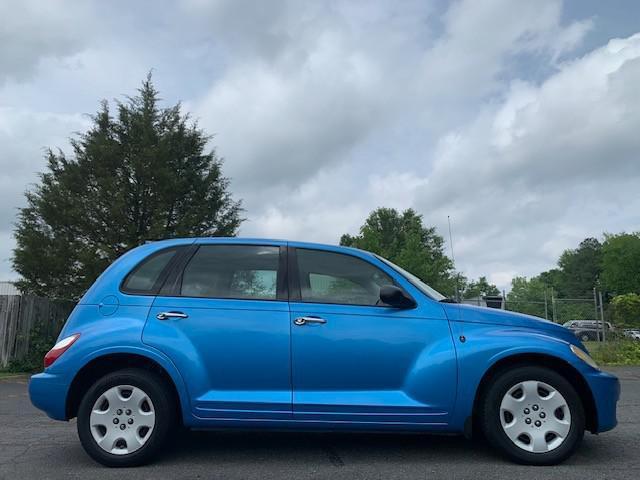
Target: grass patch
<point>5,374</point>
<point>615,352</point>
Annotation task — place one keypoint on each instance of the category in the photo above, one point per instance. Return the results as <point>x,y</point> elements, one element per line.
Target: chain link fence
<point>558,310</point>
<point>588,317</point>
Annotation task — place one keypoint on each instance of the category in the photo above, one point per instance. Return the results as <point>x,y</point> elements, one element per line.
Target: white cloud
<point>327,110</point>
<point>542,170</point>
<point>31,31</point>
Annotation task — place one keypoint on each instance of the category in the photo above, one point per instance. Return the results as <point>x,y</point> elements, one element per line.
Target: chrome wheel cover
<point>122,419</point>
<point>535,416</point>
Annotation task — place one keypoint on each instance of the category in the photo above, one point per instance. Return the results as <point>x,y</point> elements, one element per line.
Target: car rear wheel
<point>533,415</point>
<point>125,418</point>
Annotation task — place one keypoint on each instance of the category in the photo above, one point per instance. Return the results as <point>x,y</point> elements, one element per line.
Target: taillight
<point>59,348</point>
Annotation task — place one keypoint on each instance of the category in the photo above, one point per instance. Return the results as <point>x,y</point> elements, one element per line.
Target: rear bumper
<point>606,392</point>
<point>48,392</point>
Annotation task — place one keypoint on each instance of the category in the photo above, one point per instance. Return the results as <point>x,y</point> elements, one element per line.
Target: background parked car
<point>632,334</point>
<point>588,330</point>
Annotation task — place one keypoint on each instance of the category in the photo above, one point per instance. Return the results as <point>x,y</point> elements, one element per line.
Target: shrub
<point>626,310</point>
<point>40,342</point>
<point>618,352</point>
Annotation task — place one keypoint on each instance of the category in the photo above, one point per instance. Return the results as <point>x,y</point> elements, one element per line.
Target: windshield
<point>415,281</point>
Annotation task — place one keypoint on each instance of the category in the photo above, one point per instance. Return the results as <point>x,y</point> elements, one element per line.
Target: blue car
<point>269,334</point>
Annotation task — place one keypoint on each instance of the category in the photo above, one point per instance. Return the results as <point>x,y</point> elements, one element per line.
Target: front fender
<point>487,344</point>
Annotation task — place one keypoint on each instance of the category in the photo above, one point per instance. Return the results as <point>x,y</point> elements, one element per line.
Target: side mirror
<point>395,297</point>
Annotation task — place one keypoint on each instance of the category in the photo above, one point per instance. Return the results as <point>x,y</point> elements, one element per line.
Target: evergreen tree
<point>143,173</point>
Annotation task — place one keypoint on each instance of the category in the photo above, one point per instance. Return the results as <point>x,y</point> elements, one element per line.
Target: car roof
<point>259,241</point>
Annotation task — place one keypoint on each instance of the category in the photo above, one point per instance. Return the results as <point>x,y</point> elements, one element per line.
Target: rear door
<point>223,319</point>
<point>357,360</point>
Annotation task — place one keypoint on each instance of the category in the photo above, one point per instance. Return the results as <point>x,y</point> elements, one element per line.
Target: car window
<point>144,277</point>
<point>415,281</point>
<point>232,271</point>
<point>327,277</point>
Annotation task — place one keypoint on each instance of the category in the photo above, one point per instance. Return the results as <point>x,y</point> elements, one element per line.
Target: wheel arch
<point>544,360</point>
<point>111,362</point>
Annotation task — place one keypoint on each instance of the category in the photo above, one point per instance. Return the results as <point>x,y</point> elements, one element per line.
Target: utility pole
<point>595,304</point>
<point>602,316</point>
<point>546,315</point>
<point>453,260</point>
<point>553,306</point>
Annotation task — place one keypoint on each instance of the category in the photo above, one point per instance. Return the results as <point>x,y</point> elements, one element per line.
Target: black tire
<point>490,415</point>
<point>161,397</point>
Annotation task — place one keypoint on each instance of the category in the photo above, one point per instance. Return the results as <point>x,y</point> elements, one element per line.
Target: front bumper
<point>48,392</point>
<point>606,392</point>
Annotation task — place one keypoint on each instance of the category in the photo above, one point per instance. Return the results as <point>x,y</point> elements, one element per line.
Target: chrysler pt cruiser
<point>256,334</point>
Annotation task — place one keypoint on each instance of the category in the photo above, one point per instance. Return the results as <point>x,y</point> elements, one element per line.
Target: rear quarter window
<point>146,277</point>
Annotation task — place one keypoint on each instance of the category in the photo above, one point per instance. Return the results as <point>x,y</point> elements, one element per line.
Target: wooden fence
<point>19,314</point>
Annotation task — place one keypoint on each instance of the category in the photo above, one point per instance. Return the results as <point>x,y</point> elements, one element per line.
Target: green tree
<point>626,310</point>
<point>553,279</point>
<point>479,288</point>
<point>403,239</point>
<point>580,269</point>
<point>527,296</point>
<point>621,263</point>
<point>140,174</point>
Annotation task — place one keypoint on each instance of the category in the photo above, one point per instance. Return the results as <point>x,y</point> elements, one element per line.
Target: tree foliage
<point>621,263</point>
<point>527,296</point>
<point>139,174</point>
<point>626,310</point>
<point>479,288</point>
<point>580,269</point>
<point>402,238</point>
<point>612,266</point>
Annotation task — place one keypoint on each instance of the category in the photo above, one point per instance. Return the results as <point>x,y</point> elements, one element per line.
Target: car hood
<point>469,313</point>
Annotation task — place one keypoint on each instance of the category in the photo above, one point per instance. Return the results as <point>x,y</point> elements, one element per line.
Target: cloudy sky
<point>520,120</point>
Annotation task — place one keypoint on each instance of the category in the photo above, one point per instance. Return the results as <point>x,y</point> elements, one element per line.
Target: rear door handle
<point>166,315</point>
<point>304,320</point>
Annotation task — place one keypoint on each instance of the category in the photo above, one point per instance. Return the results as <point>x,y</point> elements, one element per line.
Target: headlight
<point>584,356</point>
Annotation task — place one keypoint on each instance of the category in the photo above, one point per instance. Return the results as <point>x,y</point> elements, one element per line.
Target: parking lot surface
<point>34,447</point>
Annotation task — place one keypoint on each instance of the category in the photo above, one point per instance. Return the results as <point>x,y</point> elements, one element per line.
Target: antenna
<point>453,259</point>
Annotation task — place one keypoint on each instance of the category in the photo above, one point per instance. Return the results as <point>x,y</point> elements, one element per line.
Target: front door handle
<point>166,315</point>
<point>304,320</point>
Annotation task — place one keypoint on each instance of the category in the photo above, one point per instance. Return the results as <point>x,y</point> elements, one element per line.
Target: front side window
<point>415,281</point>
<point>145,277</point>
<point>246,272</point>
<point>327,277</point>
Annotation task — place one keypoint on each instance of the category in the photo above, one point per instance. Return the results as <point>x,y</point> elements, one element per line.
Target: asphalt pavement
<point>34,447</point>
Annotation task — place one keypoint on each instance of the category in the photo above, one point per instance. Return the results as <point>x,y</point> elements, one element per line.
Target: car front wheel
<point>125,418</point>
<point>533,415</point>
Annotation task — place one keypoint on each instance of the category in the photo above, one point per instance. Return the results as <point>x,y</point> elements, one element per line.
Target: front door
<point>358,361</point>
<point>226,328</point>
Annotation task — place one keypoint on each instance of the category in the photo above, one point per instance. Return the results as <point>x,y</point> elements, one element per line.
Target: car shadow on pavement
<point>339,449</point>
<point>233,445</point>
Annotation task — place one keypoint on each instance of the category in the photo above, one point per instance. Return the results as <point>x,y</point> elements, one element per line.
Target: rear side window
<point>327,277</point>
<point>146,277</point>
<point>248,272</point>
